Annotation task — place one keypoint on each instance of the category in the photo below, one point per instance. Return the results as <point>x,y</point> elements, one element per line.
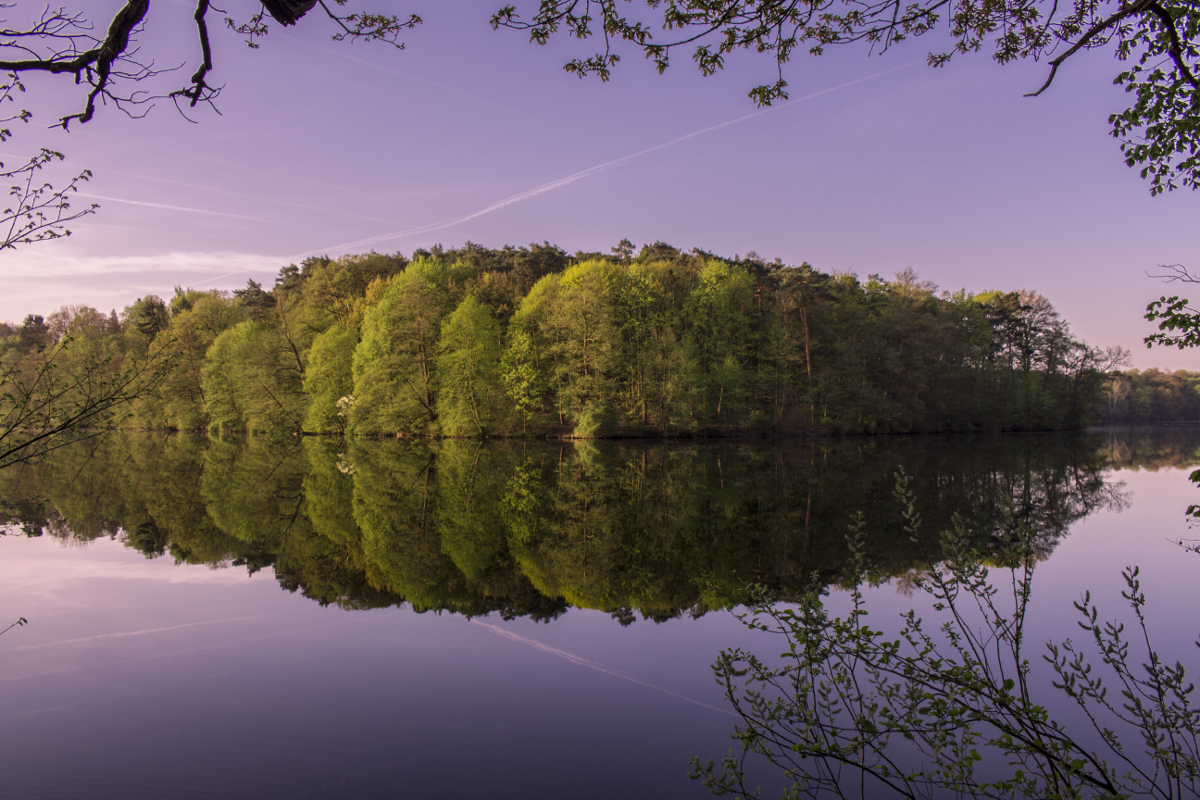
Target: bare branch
<point>1175,272</point>
<point>200,90</point>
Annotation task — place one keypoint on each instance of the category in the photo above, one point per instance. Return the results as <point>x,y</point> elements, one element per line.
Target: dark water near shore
<point>579,594</point>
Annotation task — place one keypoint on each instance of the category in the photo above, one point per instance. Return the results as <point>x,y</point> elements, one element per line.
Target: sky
<point>877,163</point>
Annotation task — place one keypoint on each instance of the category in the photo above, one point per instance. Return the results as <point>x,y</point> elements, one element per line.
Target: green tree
<point>53,393</point>
<point>581,341</point>
<point>335,289</point>
<point>251,383</point>
<point>718,335</point>
<point>199,318</point>
<point>520,376</point>
<point>526,363</point>
<point>471,400</point>
<point>148,316</point>
<point>328,379</point>
<point>395,387</point>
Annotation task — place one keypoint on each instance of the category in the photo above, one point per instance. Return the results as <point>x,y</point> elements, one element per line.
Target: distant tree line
<point>481,342</point>
<point>1148,396</point>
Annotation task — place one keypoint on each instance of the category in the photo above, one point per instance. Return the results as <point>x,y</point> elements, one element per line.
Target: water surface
<point>310,619</point>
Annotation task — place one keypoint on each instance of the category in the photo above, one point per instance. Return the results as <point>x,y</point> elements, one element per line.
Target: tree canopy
<point>471,342</point>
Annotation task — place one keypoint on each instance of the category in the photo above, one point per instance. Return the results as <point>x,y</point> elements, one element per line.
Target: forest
<point>478,342</point>
<point>1139,397</point>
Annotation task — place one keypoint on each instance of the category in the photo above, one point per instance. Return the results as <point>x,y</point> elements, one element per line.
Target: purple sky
<point>328,148</point>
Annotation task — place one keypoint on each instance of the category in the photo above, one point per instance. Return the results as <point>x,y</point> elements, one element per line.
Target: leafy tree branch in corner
<point>1178,322</point>
<point>108,67</point>
<point>957,710</point>
<point>1154,41</point>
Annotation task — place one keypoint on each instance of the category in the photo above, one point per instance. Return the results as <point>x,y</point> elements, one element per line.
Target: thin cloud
<point>124,634</point>
<point>596,170</point>
<point>171,208</point>
<point>44,265</point>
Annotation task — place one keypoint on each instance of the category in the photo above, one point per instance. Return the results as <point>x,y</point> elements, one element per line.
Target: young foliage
<point>68,390</point>
<point>471,401</point>
<point>395,388</point>
<point>328,379</point>
<point>580,328</point>
<point>954,710</point>
<point>251,382</point>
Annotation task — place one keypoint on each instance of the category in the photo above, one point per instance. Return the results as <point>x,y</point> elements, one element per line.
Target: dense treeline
<point>480,342</point>
<point>531,528</point>
<point>1140,397</point>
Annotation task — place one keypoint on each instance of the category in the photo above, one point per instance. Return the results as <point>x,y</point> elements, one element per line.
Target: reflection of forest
<point>524,529</point>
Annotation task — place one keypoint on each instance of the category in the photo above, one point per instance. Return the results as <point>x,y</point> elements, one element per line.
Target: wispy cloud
<point>170,207</point>
<point>34,264</point>
<point>124,634</point>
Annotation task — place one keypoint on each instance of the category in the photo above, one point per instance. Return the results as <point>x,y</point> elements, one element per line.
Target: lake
<point>383,618</point>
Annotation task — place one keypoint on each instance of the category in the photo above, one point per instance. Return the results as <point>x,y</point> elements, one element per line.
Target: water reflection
<point>529,529</point>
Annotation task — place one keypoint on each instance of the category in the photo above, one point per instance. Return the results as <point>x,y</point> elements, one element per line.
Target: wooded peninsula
<point>531,341</point>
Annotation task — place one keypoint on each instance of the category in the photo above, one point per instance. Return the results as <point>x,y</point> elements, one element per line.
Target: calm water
<point>393,619</point>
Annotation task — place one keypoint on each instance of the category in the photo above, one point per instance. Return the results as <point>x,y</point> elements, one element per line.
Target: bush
<point>596,422</point>
<point>832,710</point>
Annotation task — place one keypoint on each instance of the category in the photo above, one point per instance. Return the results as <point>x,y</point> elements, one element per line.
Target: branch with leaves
<point>63,42</point>
<point>1159,133</point>
<point>38,211</point>
<point>1178,322</point>
<point>953,711</point>
<point>49,400</point>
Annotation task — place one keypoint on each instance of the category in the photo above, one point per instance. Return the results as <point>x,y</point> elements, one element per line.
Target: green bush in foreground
<point>952,713</point>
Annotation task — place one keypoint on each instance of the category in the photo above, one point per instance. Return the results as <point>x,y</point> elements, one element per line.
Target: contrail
<point>596,170</point>
<point>171,208</point>
<point>607,670</point>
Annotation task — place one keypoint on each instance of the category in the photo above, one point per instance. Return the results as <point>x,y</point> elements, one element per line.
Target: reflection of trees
<point>1151,448</point>
<point>322,554</point>
<point>648,529</point>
